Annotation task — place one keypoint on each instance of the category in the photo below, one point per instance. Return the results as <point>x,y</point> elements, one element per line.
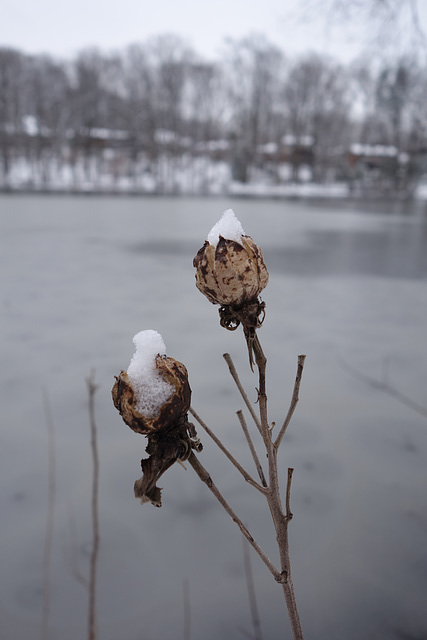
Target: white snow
<point>376,150</point>
<point>151,391</point>
<point>228,227</point>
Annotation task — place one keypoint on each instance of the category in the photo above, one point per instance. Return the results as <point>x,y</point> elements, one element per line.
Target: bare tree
<point>152,108</point>
<point>136,87</point>
<point>369,126</point>
<point>316,100</point>
<point>47,105</point>
<point>203,109</point>
<point>12,106</point>
<point>254,67</point>
<point>393,89</point>
<point>89,104</point>
<point>168,58</point>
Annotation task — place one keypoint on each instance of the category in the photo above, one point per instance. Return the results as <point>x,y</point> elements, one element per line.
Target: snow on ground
<point>291,190</point>
<point>184,175</point>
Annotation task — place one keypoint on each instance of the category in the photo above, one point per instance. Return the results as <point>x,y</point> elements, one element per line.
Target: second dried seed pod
<point>153,397</point>
<point>154,392</point>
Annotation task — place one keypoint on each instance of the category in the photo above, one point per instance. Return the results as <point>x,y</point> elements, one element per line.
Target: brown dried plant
<point>231,273</point>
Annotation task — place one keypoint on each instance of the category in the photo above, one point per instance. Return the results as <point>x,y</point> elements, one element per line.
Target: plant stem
<point>261,362</point>
<point>294,401</point>
<point>239,385</point>
<point>224,449</point>
<point>280,519</point>
<point>271,490</point>
<point>252,447</point>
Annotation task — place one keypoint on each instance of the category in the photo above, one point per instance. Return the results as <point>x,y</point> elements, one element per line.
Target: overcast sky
<point>63,28</point>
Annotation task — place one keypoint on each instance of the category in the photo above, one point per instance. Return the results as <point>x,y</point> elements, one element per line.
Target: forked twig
<point>243,393</point>
<point>251,447</point>
<point>294,401</point>
<point>270,489</point>
<point>226,452</point>
<point>280,518</point>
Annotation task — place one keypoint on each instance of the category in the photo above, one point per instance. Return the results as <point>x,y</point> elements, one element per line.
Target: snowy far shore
<point>183,176</point>
<point>235,189</point>
<point>292,191</point>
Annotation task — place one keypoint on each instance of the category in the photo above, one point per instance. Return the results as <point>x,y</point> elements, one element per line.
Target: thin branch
<point>288,513</point>
<point>243,393</point>
<point>261,362</point>
<point>385,387</point>
<point>206,478</point>
<point>187,609</point>
<point>294,401</point>
<point>224,449</point>
<point>252,447</point>
<point>50,520</point>
<point>92,387</point>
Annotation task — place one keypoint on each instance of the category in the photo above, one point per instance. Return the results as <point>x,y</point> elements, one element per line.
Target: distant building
<point>382,168</point>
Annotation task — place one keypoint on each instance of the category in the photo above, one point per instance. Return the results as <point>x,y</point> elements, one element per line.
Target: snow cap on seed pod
<point>230,268</point>
<point>154,393</point>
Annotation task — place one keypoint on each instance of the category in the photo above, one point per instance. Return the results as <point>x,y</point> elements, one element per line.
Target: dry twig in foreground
<point>92,387</point>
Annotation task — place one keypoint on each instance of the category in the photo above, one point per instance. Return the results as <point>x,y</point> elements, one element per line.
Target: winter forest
<point>157,118</point>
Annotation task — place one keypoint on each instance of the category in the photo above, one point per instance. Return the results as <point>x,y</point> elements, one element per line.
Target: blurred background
<point>329,98</point>
<point>125,132</point>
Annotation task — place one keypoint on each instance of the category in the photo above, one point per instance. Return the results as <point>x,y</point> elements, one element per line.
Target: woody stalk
<point>153,396</point>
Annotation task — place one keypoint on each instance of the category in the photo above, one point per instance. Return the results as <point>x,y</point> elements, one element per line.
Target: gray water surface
<point>78,278</point>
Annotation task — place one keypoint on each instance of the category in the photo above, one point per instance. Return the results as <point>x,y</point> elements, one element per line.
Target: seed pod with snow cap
<point>231,272</point>
<point>154,392</point>
<point>153,398</point>
<point>230,267</point>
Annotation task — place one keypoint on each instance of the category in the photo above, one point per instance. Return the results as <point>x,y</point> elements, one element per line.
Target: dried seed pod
<point>169,412</point>
<point>231,273</point>
<point>153,397</point>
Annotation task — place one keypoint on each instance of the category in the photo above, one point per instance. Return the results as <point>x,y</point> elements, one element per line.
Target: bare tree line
<point>141,117</point>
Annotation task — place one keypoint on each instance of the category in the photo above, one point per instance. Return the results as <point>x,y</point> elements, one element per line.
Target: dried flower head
<point>154,392</point>
<point>153,397</point>
<point>231,272</point>
<point>230,268</point>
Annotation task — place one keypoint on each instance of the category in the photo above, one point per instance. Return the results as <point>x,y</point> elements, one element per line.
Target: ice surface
<point>151,391</point>
<point>228,227</point>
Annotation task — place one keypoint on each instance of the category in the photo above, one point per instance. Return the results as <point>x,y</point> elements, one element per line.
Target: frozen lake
<point>79,277</point>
